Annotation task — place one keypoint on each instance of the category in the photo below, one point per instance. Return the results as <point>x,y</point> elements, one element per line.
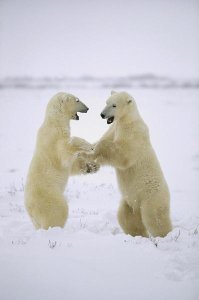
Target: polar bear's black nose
<point>102,115</point>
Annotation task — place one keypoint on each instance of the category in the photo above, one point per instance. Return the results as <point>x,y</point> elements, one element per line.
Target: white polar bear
<point>54,160</point>
<point>126,146</point>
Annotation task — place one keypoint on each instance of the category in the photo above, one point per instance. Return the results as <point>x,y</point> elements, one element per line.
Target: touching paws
<point>88,166</point>
<point>92,167</point>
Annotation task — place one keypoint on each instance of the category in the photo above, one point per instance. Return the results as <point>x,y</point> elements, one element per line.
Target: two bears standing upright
<point>126,146</point>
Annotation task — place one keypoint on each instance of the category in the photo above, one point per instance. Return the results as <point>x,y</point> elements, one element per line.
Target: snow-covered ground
<point>91,258</point>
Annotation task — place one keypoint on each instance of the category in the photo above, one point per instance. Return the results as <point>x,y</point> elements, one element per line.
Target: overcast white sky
<point>116,37</point>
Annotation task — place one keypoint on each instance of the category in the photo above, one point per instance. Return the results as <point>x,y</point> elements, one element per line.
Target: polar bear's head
<point>119,105</point>
<point>65,105</point>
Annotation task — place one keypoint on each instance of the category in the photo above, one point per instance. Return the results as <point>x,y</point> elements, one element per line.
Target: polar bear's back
<point>45,174</point>
<point>44,198</point>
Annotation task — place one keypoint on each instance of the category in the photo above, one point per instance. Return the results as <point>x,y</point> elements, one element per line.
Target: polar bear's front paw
<point>92,167</point>
<point>89,166</point>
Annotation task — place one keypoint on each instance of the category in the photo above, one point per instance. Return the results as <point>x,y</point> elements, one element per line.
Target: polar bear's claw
<point>92,167</point>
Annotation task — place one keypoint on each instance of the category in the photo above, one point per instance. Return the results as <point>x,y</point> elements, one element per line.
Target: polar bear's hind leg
<point>35,223</point>
<point>56,216</point>
<point>52,214</point>
<point>131,221</point>
<point>155,216</point>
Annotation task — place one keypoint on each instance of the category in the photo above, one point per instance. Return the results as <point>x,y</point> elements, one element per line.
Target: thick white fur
<point>54,160</point>
<point>126,146</point>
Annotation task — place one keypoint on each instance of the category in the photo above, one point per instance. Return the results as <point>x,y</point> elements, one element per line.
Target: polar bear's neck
<point>127,125</point>
<point>62,125</point>
<point>58,120</point>
<point>131,117</point>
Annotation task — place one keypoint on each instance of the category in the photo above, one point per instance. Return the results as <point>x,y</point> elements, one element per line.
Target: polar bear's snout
<point>107,114</point>
<point>82,107</point>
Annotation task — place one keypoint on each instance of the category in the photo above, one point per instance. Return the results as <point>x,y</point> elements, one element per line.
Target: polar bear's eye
<point>77,100</point>
<point>114,105</point>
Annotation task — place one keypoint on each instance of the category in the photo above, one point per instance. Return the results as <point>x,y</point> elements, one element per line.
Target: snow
<point>91,258</point>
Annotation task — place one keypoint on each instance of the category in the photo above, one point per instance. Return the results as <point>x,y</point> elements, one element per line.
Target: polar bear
<point>144,208</point>
<point>54,160</point>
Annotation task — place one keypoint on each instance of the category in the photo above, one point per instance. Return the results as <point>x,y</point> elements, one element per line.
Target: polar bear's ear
<point>129,101</point>
<point>113,92</point>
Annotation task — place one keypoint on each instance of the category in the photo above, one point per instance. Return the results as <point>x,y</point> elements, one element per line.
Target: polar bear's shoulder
<point>140,128</point>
